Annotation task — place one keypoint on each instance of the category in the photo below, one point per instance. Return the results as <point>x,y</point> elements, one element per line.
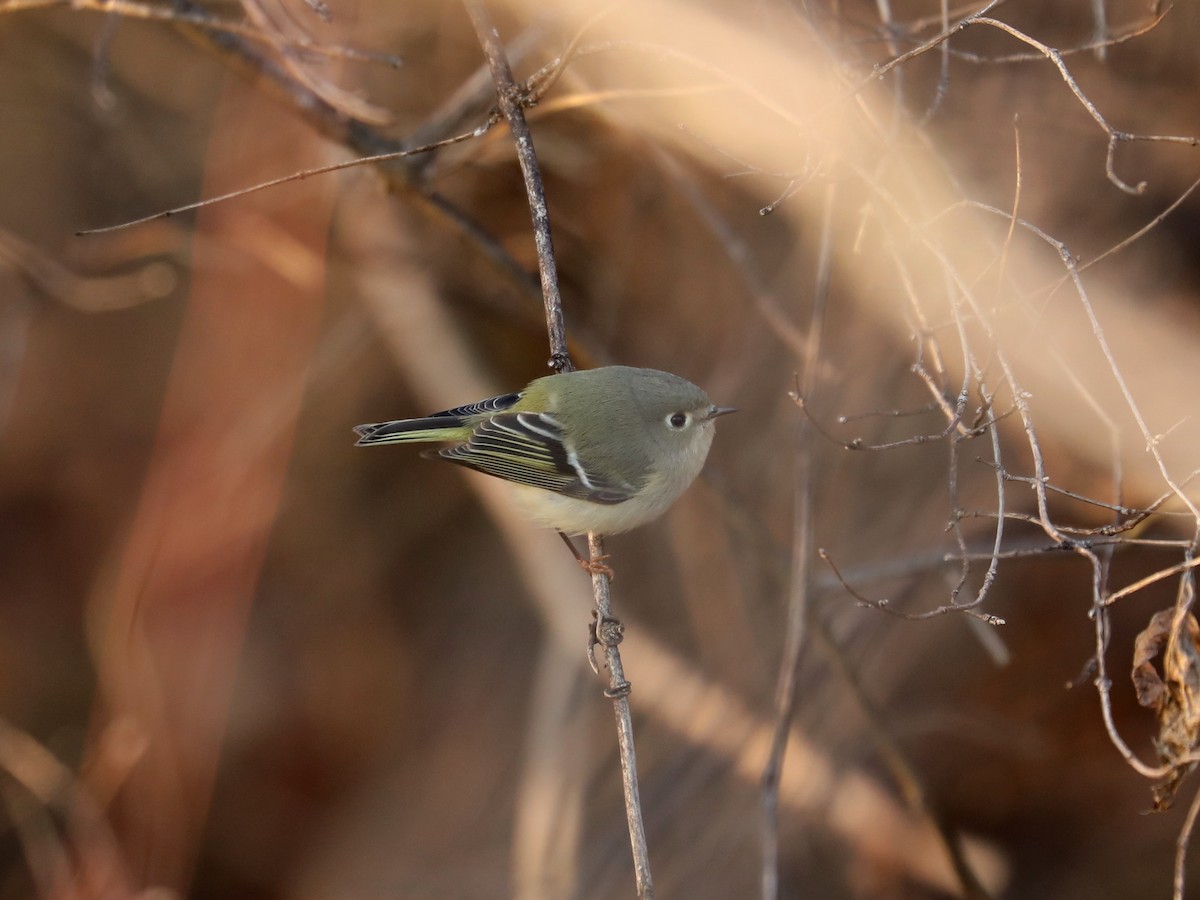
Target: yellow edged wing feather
<point>530,448</point>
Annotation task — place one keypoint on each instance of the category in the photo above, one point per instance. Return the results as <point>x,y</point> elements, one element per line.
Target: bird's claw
<point>598,566</point>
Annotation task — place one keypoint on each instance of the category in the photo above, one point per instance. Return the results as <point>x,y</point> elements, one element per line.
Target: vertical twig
<point>608,630</point>
<point>510,96</point>
<point>789,668</point>
<point>1181,847</point>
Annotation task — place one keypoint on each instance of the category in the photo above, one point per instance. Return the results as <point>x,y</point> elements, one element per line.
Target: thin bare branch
<point>885,605</point>
<point>1055,56</point>
<point>608,633</point>
<point>1149,580</point>
<point>787,682</point>
<point>296,176</point>
<point>607,630</point>
<point>512,98</point>
<point>131,9</point>
<point>1182,842</point>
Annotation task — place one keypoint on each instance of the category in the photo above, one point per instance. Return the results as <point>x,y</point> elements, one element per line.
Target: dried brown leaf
<point>1151,691</point>
<point>1174,694</point>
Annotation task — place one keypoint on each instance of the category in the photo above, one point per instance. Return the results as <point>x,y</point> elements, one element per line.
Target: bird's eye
<point>677,420</point>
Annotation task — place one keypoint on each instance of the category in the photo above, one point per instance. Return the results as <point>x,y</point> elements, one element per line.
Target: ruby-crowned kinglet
<point>602,450</point>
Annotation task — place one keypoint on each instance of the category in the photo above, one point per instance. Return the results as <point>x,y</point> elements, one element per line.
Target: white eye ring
<point>678,421</point>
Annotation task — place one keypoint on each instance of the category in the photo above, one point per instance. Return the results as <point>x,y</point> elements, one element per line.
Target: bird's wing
<point>490,405</point>
<point>439,426</point>
<point>531,448</point>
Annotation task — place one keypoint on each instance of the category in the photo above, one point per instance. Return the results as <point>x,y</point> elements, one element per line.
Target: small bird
<point>602,450</point>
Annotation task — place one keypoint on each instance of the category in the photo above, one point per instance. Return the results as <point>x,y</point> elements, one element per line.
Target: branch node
<point>619,691</point>
<point>609,631</point>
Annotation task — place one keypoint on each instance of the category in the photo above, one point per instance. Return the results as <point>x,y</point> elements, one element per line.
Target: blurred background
<point>241,658</point>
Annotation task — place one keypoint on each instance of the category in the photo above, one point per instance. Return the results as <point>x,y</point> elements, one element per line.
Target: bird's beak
<point>720,411</point>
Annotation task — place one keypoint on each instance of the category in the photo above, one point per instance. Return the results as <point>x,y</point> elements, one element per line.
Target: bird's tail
<point>414,431</point>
